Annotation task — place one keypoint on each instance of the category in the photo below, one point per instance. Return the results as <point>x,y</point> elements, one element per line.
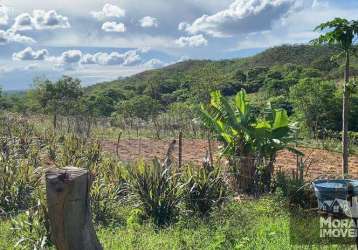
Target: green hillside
<point>193,72</point>
<point>194,79</point>
<point>293,77</point>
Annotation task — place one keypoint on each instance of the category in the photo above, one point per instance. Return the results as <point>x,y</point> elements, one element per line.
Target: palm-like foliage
<point>341,33</point>
<point>240,131</point>
<point>254,141</point>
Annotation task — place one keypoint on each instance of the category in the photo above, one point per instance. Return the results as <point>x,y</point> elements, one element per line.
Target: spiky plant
<point>158,189</point>
<point>206,188</point>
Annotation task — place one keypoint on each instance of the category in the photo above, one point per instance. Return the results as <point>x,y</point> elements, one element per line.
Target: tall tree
<point>60,97</point>
<point>341,33</point>
<point>142,107</point>
<point>316,103</point>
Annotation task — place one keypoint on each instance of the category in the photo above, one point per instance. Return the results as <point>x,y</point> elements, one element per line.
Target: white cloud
<point>4,15</point>
<point>297,27</point>
<point>40,20</point>
<point>192,41</point>
<point>68,60</point>
<point>49,20</point>
<point>23,22</point>
<point>182,59</point>
<point>148,21</point>
<point>31,67</point>
<point>144,49</point>
<point>131,57</point>
<point>101,58</point>
<point>128,58</point>
<point>88,59</point>
<point>71,56</point>
<point>183,26</point>
<point>154,63</point>
<point>4,69</point>
<point>30,54</point>
<point>108,10</point>
<point>318,4</point>
<point>10,36</point>
<point>113,27</point>
<point>73,59</point>
<point>241,17</point>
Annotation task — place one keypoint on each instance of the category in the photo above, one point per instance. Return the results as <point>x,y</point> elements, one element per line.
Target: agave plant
<point>251,140</point>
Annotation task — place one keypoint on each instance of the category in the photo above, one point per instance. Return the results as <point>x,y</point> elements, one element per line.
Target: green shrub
<point>78,152</point>
<point>135,218</point>
<point>17,174</point>
<point>295,190</point>
<point>158,189</point>
<point>108,186</point>
<point>29,231</point>
<point>104,201</point>
<point>205,188</point>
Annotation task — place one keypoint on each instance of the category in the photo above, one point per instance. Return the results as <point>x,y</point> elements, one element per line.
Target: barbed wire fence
<point>306,162</point>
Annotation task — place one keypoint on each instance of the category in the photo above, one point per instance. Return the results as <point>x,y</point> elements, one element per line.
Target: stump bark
<point>69,209</point>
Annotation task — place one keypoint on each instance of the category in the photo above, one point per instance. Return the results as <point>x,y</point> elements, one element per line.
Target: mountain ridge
<point>303,55</point>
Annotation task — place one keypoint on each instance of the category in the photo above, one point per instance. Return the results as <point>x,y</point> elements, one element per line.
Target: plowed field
<point>320,163</point>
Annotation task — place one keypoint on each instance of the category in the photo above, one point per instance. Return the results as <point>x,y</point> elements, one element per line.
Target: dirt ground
<point>319,163</point>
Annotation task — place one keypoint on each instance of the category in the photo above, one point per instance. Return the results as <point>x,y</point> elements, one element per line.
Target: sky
<point>98,41</point>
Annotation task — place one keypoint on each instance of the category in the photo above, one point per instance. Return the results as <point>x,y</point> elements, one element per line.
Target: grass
<point>236,227</point>
<point>259,224</point>
<point>254,224</point>
<point>7,242</point>
<point>332,145</point>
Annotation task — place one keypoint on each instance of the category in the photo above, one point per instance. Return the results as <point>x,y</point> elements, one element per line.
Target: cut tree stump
<point>69,209</point>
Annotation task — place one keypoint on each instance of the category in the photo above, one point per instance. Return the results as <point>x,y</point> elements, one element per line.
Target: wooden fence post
<point>210,150</point>
<point>69,210</point>
<point>180,156</point>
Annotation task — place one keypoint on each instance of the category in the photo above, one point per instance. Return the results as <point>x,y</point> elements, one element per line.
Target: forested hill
<point>304,55</point>
<point>224,72</point>
<point>273,72</point>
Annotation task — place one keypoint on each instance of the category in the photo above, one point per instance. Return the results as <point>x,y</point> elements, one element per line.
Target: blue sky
<point>104,40</point>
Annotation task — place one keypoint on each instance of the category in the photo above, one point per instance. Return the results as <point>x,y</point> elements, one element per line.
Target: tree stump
<point>69,209</point>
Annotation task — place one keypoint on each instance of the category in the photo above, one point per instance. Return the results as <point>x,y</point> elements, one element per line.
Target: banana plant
<point>252,140</point>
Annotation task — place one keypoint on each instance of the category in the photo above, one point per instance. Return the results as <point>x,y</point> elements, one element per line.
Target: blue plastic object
<point>333,193</point>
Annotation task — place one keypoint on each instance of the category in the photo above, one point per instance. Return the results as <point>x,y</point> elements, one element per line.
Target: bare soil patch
<point>323,164</point>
